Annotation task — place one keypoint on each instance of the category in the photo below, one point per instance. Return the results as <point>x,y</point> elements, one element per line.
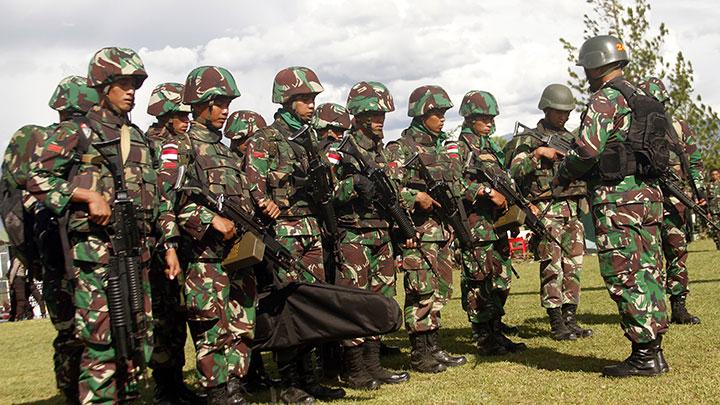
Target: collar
<point>203,133</point>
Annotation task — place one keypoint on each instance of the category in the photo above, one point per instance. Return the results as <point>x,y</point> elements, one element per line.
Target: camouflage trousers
<point>628,241</point>
<point>221,316</point>
<point>713,233</point>
<point>428,287</point>
<point>170,321</point>
<point>674,246</point>
<point>98,368</point>
<point>560,270</point>
<point>485,281</point>
<point>310,251</point>
<point>367,263</point>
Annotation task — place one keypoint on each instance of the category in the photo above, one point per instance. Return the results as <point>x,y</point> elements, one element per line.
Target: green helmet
<point>656,88</point>
<point>478,102</point>
<point>73,94</point>
<point>600,51</point>
<point>242,124</point>
<point>167,98</point>
<point>331,115</point>
<point>207,82</point>
<point>426,98</point>
<point>369,96</point>
<point>558,97</point>
<point>293,81</point>
<point>109,64</point>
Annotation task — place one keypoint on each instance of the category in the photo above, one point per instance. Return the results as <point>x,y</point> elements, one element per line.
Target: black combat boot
<point>660,357</point>
<point>291,393</point>
<point>507,330</point>
<point>643,361</point>
<point>357,374</point>
<point>235,391</point>
<point>310,383</point>
<point>441,355</point>
<point>330,359</point>
<point>387,350</point>
<point>257,379</point>
<point>184,392</point>
<point>371,356</point>
<point>165,391</point>
<point>217,395</point>
<point>421,359</point>
<point>568,315</point>
<point>485,340</point>
<point>558,328</point>
<point>680,313</point>
<point>508,344</point>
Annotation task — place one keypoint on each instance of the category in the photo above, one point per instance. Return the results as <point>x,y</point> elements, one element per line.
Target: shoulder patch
<point>53,147</point>
<point>452,150</point>
<point>334,156</point>
<point>169,152</point>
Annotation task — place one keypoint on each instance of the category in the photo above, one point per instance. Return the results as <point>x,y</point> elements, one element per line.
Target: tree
<point>631,25</point>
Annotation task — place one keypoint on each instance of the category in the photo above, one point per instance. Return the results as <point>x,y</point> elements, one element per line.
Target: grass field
<point>548,371</point>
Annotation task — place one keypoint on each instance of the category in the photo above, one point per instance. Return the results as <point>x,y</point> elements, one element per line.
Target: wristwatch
<point>170,245</point>
<point>487,191</point>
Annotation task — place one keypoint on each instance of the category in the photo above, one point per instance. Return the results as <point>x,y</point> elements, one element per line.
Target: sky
<point>508,47</point>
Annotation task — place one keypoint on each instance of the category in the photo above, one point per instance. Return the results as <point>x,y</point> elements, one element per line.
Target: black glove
<point>364,187</point>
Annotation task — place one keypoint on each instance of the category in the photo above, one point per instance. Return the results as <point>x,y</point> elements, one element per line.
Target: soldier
<point>276,170</point>
<point>626,203</point>
<point>170,333</point>
<point>486,270</point>
<point>330,120</point>
<point>87,195</point>
<point>533,167</point>
<point>366,255</point>
<point>240,127</point>
<point>713,193</point>
<point>687,163</point>
<point>428,264</point>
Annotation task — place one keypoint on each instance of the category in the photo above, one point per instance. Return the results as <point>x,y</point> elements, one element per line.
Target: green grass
<point>548,371</point>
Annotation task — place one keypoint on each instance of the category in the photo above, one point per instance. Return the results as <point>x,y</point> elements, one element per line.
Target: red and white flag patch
<point>453,151</point>
<point>53,147</point>
<point>334,156</point>
<point>169,152</point>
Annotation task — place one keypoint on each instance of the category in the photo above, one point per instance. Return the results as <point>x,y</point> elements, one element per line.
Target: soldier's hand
<point>547,153</point>
<point>269,208</point>
<point>172,264</point>
<point>99,209</point>
<point>702,202</point>
<point>425,202</point>
<point>535,210</point>
<point>498,199</point>
<point>225,226</point>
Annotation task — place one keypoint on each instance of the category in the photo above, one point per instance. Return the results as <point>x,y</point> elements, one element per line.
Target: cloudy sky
<point>508,47</point>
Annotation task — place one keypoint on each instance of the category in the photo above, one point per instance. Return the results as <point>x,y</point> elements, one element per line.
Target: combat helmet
<point>426,98</point>
<point>72,94</point>
<point>369,97</point>
<point>208,82</point>
<point>331,115</point>
<point>109,64</point>
<point>600,51</point>
<point>558,97</point>
<point>656,88</point>
<point>242,124</point>
<point>293,81</point>
<point>477,102</point>
<point>167,98</point>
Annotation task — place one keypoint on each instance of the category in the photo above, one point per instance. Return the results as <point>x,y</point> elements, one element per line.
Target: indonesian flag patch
<point>169,152</point>
<point>453,151</point>
<point>53,147</point>
<point>334,156</point>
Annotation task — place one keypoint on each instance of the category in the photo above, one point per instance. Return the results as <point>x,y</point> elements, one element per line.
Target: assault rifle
<point>550,140</point>
<point>672,184</point>
<point>125,297</point>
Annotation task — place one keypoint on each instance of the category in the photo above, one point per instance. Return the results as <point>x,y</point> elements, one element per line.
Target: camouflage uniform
<point>330,120</point>
<point>713,193</point>
<point>90,244</point>
<point>240,127</point>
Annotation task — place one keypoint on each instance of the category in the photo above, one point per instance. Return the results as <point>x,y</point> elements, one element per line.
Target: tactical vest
<point>440,165</point>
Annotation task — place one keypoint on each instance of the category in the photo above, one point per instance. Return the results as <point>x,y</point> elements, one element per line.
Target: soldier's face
<point>374,121</point>
<point>304,106</point>
<point>434,120</point>
<point>482,125</point>
<point>121,94</point>
<point>180,122</point>
<point>218,112</point>
<point>556,118</point>
<point>715,175</point>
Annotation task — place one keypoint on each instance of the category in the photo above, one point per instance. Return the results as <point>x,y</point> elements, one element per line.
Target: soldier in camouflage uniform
<point>533,167</point>
<point>87,196</point>
<point>429,264</point>
<point>240,127</point>
<point>713,193</point>
<point>330,120</point>
<point>366,254</point>
<point>626,208</point>
<point>276,170</point>
<point>486,270</point>
<point>687,163</point>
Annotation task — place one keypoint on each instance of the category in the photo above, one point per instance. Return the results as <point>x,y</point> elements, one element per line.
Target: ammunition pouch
<point>514,217</point>
<point>613,163</point>
<point>245,252</point>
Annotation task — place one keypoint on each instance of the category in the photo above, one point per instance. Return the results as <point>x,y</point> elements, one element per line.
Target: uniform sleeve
<point>344,185</point>
<point>697,169</point>
<point>257,167</point>
<point>167,223</point>
<point>469,186</point>
<point>396,171</point>
<point>523,162</point>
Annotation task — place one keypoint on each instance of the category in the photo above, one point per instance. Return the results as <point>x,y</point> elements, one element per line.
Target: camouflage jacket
<point>688,145</point>
<point>713,193</point>
<point>276,172</point>
<point>215,165</point>
<point>23,148</point>
<point>606,118</point>
<point>61,152</point>
<point>442,160</point>
<point>534,176</point>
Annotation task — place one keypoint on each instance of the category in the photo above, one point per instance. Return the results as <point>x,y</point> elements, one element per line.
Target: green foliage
<point>631,24</point>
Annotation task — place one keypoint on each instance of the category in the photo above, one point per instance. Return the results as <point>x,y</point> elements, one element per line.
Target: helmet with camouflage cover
<point>656,88</point>
<point>369,97</point>
<point>109,64</point>
<point>207,82</point>
<point>478,102</point>
<point>167,98</point>
<point>426,98</point>
<point>600,51</point>
<point>73,94</point>
<point>293,81</point>
<point>242,124</point>
<point>558,97</point>
<point>331,115</point>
